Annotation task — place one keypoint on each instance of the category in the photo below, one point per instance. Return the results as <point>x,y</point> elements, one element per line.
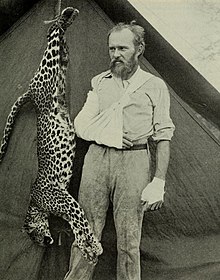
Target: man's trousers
<point>119,176</point>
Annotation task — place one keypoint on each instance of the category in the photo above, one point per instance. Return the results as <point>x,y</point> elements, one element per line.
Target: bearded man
<point>125,107</point>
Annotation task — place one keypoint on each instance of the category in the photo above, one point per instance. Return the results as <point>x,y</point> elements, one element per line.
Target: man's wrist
<point>159,180</point>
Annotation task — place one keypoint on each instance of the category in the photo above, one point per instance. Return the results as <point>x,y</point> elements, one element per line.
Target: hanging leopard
<point>55,146</point>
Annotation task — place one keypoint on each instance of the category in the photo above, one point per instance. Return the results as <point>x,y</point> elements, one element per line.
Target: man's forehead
<point>121,37</point>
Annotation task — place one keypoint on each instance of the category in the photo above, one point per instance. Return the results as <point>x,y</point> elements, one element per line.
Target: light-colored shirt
<point>139,107</point>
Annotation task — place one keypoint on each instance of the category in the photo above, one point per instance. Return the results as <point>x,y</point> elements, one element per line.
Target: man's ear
<point>141,49</point>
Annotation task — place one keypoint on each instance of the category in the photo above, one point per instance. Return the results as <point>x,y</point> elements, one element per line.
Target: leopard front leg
<point>36,225</point>
<point>84,238</point>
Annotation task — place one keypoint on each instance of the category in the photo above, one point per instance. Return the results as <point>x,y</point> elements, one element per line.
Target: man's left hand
<point>153,195</point>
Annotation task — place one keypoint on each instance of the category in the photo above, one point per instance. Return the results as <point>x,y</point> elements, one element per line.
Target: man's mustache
<point>114,61</point>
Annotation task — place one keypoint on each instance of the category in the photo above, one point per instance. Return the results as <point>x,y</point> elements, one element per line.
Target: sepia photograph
<point>110,140</point>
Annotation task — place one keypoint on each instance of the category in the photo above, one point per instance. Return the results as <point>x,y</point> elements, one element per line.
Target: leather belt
<point>136,147</point>
<point>132,148</point>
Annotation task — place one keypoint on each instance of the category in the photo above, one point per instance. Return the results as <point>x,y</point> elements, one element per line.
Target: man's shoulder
<point>154,80</point>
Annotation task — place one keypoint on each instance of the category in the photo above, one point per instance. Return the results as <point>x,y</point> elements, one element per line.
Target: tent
<point>182,239</point>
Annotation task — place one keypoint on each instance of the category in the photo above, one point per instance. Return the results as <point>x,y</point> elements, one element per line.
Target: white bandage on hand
<point>154,193</point>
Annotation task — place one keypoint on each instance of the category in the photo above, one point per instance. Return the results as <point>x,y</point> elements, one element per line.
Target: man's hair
<point>136,29</point>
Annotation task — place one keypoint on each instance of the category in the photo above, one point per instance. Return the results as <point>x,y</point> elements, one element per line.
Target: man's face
<point>123,53</point>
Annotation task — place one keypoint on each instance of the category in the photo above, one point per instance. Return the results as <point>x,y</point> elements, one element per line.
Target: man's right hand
<point>126,142</point>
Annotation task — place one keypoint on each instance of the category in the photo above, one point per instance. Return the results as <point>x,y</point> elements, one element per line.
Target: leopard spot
<point>48,56</point>
<point>43,62</point>
<point>49,64</point>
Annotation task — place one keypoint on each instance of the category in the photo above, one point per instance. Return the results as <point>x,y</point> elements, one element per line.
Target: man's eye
<point>122,48</point>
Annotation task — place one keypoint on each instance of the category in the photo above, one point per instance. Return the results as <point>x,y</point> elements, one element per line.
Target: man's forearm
<point>162,158</point>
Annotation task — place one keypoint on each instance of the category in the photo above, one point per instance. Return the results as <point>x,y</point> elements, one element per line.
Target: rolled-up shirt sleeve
<point>163,127</point>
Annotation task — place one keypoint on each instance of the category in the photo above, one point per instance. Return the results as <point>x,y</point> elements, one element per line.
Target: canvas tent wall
<point>11,11</point>
<point>179,241</point>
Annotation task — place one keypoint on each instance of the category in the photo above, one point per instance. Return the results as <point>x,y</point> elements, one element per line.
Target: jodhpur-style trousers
<point>119,176</point>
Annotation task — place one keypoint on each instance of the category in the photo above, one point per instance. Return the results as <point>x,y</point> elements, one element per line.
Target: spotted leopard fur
<point>55,146</point>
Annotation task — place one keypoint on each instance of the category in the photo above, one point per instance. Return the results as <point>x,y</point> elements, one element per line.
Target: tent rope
<point>59,4</point>
<point>57,13</point>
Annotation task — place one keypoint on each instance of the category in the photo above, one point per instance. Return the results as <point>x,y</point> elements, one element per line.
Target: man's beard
<point>123,68</point>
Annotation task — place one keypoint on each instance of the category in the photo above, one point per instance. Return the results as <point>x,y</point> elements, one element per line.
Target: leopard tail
<point>11,121</point>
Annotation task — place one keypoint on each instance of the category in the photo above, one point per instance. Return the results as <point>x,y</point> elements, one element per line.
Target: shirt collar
<point>133,77</point>
<point>137,79</point>
<point>128,82</point>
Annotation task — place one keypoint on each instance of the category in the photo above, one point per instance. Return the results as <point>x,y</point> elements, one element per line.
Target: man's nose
<point>116,53</point>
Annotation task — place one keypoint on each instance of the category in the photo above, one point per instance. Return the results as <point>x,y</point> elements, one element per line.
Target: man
<point>125,107</point>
